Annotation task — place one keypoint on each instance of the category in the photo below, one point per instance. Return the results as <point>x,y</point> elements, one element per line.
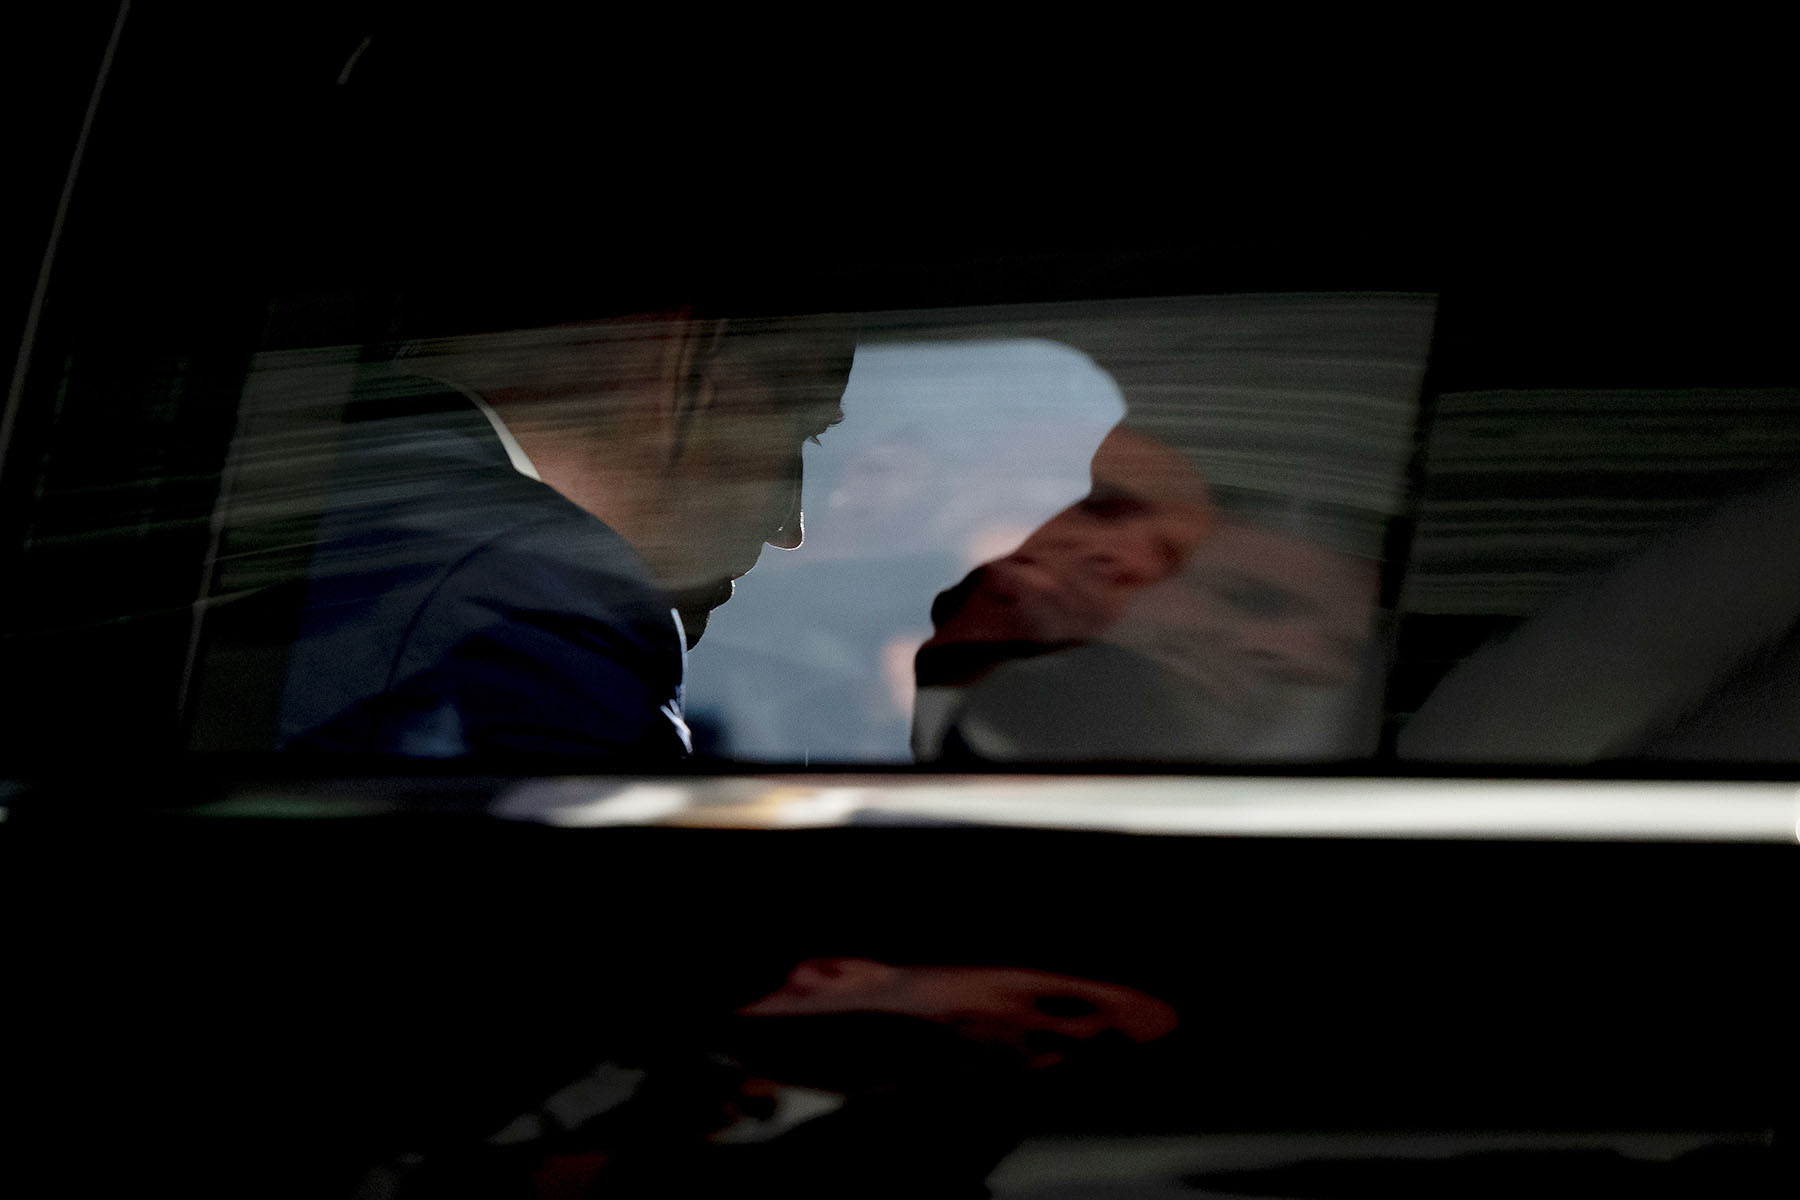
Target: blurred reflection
<point>1259,604</point>
<point>1267,631</point>
<point>1180,632</point>
<point>1071,580</point>
<point>1215,594</point>
<point>851,1074</point>
<point>518,530</point>
<point>1686,649</point>
<point>1039,1018</point>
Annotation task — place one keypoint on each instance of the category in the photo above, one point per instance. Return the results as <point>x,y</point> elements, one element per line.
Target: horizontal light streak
<point>1237,806</point>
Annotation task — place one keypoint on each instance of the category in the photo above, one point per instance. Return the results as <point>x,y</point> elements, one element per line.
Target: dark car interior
<point>313,1001</point>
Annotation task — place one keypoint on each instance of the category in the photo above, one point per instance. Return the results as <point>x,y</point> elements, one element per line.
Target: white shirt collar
<point>515,453</point>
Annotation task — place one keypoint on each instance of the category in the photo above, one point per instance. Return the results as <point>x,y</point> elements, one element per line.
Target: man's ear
<point>685,387</point>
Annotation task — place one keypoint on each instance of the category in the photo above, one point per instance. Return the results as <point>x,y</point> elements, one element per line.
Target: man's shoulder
<point>561,570</point>
<point>548,635</point>
<point>446,579</point>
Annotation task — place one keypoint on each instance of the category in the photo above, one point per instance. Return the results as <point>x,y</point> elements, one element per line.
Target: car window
<point>377,452</point>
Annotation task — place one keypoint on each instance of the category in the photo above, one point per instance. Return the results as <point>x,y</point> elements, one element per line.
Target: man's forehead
<point>826,353</point>
<point>804,371</point>
<point>828,342</point>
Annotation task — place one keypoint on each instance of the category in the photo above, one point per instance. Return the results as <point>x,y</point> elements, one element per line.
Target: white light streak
<point>1211,805</point>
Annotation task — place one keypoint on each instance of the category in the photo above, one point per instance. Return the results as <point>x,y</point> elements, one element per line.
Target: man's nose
<point>791,533</point>
<point>792,530</point>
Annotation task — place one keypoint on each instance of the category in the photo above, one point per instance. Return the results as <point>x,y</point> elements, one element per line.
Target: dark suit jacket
<point>454,606</point>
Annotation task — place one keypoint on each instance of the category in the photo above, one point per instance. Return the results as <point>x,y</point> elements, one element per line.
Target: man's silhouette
<point>524,533</point>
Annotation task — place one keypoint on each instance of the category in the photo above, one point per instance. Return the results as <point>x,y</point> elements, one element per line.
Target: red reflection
<point>1072,578</point>
<point>1041,1016</point>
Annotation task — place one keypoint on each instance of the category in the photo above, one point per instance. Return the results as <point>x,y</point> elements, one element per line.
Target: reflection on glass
<point>1214,594</point>
<point>1166,518</point>
<point>847,1061</point>
<point>951,452</point>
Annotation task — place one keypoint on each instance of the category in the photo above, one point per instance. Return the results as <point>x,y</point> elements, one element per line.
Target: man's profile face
<point>737,480</point>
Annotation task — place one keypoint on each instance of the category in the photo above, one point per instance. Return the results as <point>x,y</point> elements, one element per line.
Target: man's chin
<point>696,605</point>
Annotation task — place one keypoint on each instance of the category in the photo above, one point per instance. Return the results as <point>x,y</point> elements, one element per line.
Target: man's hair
<point>584,366</point>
